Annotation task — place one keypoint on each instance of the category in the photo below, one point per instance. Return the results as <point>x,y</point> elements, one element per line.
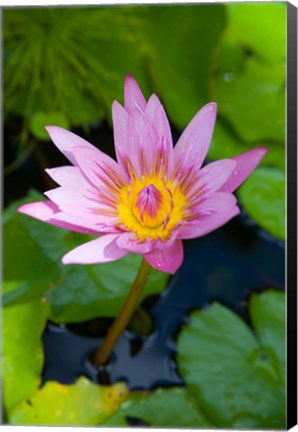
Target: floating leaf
<point>226,144</point>
<point>79,404</point>
<point>180,70</point>
<point>23,357</point>
<point>263,197</point>
<point>249,85</point>
<point>254,101</point>
<point>39,120</point>
<point>171,407</point>
<point>86,292</point>
<point>235,378</point>
<point>75,292</point>
<point>251,24</point>
<point>267,312</point>
<point>28,271</point>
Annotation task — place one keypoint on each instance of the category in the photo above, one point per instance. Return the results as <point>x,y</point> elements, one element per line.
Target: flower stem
<point>103,353</point>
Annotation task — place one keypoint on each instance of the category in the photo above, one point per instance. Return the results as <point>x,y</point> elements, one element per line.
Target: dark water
<point>226,266</point>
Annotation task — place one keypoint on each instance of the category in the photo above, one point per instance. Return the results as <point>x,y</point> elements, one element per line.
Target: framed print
<point>150,215</point>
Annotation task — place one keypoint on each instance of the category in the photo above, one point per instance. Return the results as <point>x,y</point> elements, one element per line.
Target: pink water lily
<point>154,197</point>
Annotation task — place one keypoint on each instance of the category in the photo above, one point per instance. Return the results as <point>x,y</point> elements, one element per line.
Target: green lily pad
<point>226,144</point>
<point>81,404</point>
<point>86,292</point>
<point>75,292</point>
<point>180,70</point>
<point>23,356</point>
<point>249,83</point>
<point>252,24</point>
<point>267,313</point>
<point>39,120</point>
<point>235,377</point>
<point>254,101</point>
<point>263,197</point>
<point>172,407</point>
<point>27,269</point>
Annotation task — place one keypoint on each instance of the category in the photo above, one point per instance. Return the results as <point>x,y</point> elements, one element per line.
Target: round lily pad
<point>81,404</point>
<point>23,356</point>
<point>249,83</point>
<point>39,120</point>
<point>262,195</point>
<point>172,407</point>
<point>233,375</point>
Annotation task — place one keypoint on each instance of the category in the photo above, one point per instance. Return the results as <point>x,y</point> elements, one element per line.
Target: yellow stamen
<point>151,207</point>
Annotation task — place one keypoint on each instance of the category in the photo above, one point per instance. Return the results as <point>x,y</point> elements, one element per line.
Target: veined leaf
<point>236,378</point>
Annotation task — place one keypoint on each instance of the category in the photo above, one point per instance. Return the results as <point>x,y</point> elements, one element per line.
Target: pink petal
<point>159,121</point>
<point>246,163</point>
<point>101,226</point>
<point>100,250</point>
<point>142,142</point>
<point>46,211</point>
<point>133,97</point>
<point>97,166</point>
<point>129,242</point>
<point>213,175</point>
<point>68,176</point>
<point>194,142</point>
<point>211,214</point>
<point>156,113</point>
<point>167,259</point>
<point>79,205</point>
<point>66,140</point>
<point>120,120</point>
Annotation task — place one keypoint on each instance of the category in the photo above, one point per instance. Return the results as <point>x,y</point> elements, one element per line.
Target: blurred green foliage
<point>73,61</point>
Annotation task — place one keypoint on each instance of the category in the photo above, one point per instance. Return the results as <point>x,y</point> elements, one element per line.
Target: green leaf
<point>163,408</point>
<point>75,292</point>
<point>180,69</point>
<point>86,292</point>
<point>267,312</point>
<point>235,378</point>
<point>23,356</point>
<point>79,404</point>
<point>254,101</point>
<point>251,25</point>
<point>39,120</point>
<point>249,83</point>
<point>64,72</point>
<point>226,144</point>
<point>28,271</point>
<point>79,72</point>
<point>263,197</point>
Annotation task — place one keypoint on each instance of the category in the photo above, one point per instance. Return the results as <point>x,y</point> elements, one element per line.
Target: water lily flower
<point>154,197</point>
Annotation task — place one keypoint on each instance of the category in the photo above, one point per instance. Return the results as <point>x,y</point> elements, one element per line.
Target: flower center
<point>151,207</point>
